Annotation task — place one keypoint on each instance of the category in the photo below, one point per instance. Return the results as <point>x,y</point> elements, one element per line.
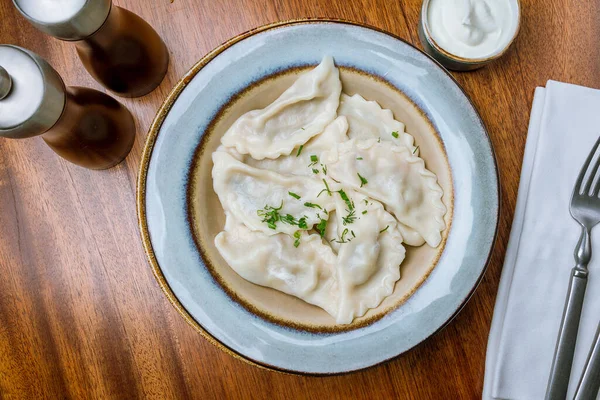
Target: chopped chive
<point>363,180</point>
<point>344,197</point>
<point>364,212</point>
<point>315,171</point>
<point>384,229</point>
<point>302,223</point>
<point>335,180</point>
<point>366,202</point>
<point>297,237</point>
<point>324,169</point>
<point>352,232</point>
<point>314,158</point>
<point>321,227</point>
<point>303,129</point>
<point>299,150</point>
<point>270,215</point>
<point>379,140</point>
<point>327,187</point>
<point>359,158</point>
<point>312,205</point>
<point>416,149</point>
<point>294,195</point>
<point>395,134</point>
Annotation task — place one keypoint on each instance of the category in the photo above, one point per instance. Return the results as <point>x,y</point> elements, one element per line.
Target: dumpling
<point>300,162</point>
<point>394,176</point>
<point>300,113</point>
<point>267,201</point>
<point>367,120</point>
<point>306,271</point>
<point>369,256</point>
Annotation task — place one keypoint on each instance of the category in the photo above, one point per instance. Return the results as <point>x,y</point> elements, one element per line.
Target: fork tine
<point>595,179</point>
<point>579,184</point>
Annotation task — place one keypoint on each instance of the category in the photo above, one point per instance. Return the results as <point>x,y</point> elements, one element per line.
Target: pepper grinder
<point>84,126</point>
<point>118,48</point>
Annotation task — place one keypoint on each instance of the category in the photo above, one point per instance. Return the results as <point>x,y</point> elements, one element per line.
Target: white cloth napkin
<point>564,125</point>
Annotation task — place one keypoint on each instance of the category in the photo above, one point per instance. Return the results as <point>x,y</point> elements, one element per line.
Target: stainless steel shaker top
<point>65,19</point>
<point>32,94</point>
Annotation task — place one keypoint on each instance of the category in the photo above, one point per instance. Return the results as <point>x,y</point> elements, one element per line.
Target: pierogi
<point>321,192</point>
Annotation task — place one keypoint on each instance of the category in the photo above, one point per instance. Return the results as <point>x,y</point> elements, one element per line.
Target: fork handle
<point>590,378</point>
<point>560,372</point>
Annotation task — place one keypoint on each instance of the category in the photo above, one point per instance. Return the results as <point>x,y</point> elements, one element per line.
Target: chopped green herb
<point>314,160</point>
<point>315,171</point>
<point>289,219</point>
<point>363,180</point>
<point>327,187</point>
<point>294,195</point>
<point>321,227</point>
<point>366,202</point>
<point>297,237</point>
<point>416,149</point>
<point>312,205</point>
<point>395,134</point>
<point>359,158</point>
<point>344,197</point>
<point>350,218</point>
<point>352,232</point>
<point>379,140</point>
<point>270,215</point>
<point>335,180</point>
<point>302,223</point>
<point>384,229</point>
<point>364,212</point>
<point>299,150</point>
<point>343,238</point>
<point>324,167</point>
<point>303,129</point>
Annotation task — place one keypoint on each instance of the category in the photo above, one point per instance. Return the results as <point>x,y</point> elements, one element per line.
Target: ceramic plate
<point>180,214</point>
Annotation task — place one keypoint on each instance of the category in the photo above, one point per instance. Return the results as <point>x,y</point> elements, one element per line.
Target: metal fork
<point>585,209</point>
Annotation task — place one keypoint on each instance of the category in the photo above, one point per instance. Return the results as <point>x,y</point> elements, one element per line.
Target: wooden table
<point>81,315</point>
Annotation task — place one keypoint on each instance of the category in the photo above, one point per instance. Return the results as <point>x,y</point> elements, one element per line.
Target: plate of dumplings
<point>318,197</point>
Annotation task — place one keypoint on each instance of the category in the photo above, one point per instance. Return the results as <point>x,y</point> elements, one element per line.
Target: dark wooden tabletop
<point>81,315</point>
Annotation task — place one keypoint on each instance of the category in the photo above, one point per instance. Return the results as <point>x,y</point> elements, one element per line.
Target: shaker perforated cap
<point>65,19</point>
<point>35,98</point>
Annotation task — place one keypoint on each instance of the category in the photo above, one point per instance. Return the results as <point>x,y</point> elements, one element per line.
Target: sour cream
<point>472,28</point>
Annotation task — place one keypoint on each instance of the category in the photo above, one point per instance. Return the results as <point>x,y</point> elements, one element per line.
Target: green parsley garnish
<point>297,237</point>
<point>299,150</point>
<point>359,158</point>
<point>416,149</point>
<point>321,227</point>
<point>363,180</point>
<point>384,229</point>
<point>270,215</point>
<point>294,195</point>
<point>395,134</point>
<point>315,171</point>
<point>312,205</point>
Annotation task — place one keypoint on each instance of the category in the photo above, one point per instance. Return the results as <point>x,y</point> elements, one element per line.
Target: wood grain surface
<point>81,315</point>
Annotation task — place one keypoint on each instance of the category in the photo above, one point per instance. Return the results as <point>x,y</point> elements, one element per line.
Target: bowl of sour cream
<point>464,35</point>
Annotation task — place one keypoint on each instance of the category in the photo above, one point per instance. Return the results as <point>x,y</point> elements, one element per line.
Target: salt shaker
<point>118,48</point>
<point>84,126</point>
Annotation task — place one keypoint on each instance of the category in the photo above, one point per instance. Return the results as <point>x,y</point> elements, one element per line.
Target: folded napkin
<point>564,125</point>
